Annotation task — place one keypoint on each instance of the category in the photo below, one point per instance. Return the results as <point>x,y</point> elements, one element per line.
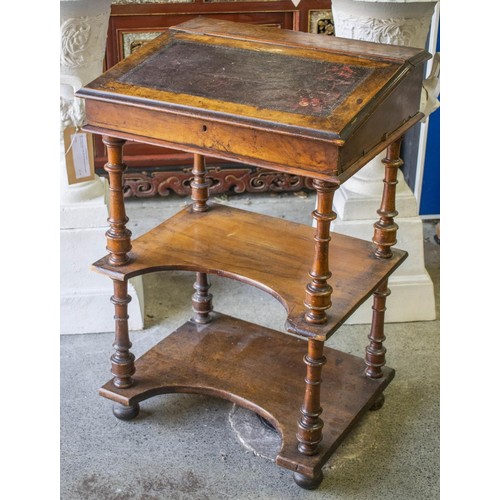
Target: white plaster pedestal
<point>85,305</point>
<point>398,22</point>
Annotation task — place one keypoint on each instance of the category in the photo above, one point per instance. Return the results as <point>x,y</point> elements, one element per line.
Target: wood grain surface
<point>267,252</point>
<point>237,360</point>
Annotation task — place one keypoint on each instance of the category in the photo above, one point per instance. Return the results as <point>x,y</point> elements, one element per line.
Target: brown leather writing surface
<point>268,80</point>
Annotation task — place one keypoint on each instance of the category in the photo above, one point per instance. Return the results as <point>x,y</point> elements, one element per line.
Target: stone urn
<point>84,26</point>
<point>83,210</point>
<point>397,22</point>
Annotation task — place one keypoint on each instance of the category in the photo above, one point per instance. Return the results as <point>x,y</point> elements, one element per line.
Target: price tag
<point>79,155</point>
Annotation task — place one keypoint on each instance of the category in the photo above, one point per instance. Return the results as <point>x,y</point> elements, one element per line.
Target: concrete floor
<point>185,446</point>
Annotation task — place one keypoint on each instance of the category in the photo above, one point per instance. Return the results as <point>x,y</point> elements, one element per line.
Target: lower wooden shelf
<point>259,369</point>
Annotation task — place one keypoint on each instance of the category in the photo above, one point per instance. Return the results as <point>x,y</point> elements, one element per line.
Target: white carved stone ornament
<point>80,37</point>
<point>72,112</point>
<point>396,22</point>
<point>396,31</point>
<point>83,41</point>
<point>75,34</point>
<point>83,30</point>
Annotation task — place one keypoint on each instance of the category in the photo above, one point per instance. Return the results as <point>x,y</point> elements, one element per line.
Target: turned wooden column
<point>375,351</point>
<point>318,291</point>
<point>310,425</point>
<point>317,301</point>
<point>118,236</point>
<point>122,360</point>
<point>199,184</point>
<point>202,299</point>
<point>385,229</point>
<point>118,244</point>
<point>384,237</point>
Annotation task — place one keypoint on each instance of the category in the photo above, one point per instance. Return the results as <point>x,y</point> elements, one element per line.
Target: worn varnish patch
<point>261,79</point>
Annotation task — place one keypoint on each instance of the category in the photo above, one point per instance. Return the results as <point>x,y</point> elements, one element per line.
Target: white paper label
<point>80,155</point>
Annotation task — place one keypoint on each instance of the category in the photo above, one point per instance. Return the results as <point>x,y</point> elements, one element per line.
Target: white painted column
<point>85,305</point>
<point>397,22</point>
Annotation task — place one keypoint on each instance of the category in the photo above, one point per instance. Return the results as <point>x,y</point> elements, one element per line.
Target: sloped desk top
<point>273,98</point>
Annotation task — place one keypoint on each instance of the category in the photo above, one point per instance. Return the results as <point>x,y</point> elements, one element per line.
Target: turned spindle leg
<point>317,301</point>
<point>118,244</point>
<point>310,425</point>
<point>202,299</point>
<point>375,351</point>
<point>384,237</point>
<point>118,236</point>
<point>199,185</point>
<point>385,229</point>
<point>122,360</point>
<point>318,291</point>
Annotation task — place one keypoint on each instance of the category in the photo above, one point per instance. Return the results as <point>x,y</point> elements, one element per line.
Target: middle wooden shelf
<point>270,253</point>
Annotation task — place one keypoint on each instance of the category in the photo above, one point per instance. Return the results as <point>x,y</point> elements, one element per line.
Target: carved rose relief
<point>75,35</point>
<point>83,40</point>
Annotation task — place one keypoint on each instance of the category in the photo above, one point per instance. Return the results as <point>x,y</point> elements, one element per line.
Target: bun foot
<point>378,404</point>
<point>125,412</point>
<point>308,483</point>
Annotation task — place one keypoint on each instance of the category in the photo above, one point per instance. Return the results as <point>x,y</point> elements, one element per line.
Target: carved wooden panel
<point>155,171</point>
<point>145,184</point>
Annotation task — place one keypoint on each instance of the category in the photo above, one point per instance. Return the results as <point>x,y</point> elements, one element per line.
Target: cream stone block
<point>412,291</point>
<point>85,294</point>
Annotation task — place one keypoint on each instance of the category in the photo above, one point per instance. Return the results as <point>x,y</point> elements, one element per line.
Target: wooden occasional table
<point>290,102</point>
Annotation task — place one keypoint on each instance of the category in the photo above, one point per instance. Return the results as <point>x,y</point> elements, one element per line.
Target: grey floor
<point>185,446</point>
